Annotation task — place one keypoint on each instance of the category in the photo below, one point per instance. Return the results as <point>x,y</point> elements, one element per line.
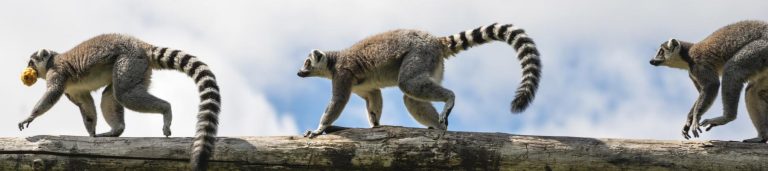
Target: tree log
<point>382,148</point>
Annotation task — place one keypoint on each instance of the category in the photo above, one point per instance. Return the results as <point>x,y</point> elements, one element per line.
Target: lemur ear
<point>317,54</point>
<point>673,43</point>
<point>43,53</point>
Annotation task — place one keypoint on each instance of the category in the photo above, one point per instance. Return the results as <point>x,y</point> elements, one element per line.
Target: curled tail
<point>210,100</point>
<point>526,53</point>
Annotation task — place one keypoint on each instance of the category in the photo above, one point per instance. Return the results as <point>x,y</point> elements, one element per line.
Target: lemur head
<point>38,65</point>
<point>671,54</point>
<point>316,64</point>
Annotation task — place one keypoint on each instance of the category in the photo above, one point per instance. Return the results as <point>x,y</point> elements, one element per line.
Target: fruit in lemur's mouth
<point>29,76</point>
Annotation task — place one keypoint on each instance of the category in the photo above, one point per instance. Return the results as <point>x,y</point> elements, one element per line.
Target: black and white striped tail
<point>210,99</point>
<point>526,53</point>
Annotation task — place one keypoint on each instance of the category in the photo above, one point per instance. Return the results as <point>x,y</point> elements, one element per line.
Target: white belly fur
<point>375,81</point>
<point>389,78</point>
<point>96,78</point>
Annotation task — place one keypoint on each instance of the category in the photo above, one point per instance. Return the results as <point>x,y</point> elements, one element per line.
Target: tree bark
<point>383,148</point>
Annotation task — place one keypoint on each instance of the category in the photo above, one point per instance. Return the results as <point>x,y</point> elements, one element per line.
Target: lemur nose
<point>655,62</point>
<point>302,74</point>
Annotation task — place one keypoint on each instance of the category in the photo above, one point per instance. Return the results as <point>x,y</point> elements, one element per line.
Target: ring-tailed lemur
<point>124,65</point>
<point>413,61</point>
<point>737,52</point>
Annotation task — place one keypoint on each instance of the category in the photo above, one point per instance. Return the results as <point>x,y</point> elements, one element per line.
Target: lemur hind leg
<point>756,97</point>
<point>113,113</point>
<point>737,71</point>
<point>131,79</point>
<point>416,80</point>
<point>84,101</point>
<point>423,112</point>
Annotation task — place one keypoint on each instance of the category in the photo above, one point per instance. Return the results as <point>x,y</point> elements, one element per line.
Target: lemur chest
<point>91,80</point>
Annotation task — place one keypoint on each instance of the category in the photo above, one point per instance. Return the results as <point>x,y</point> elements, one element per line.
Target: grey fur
<point>738,52</point>
<point>413,61</point>
<point>124,65</point>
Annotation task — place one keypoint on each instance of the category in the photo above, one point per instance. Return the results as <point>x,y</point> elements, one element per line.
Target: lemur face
<point>668,54</point>
<point>36,65</point>
<point>39,59</point>
<point>316,64</point>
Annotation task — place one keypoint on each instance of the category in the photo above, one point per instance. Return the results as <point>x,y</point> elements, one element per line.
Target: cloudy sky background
<point>596,78</point>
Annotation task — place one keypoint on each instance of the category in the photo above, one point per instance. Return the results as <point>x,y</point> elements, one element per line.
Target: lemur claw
<point>711,126</point>
<point>686,130</point>
<point>696,129</point>
<point>21,124</point>
<point>711,123</point>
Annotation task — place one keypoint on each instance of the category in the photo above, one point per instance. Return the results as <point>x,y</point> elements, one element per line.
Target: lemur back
<point>724,43</point>
<point>413,61</point>
<point>124,65</point>
<point>377,59</point>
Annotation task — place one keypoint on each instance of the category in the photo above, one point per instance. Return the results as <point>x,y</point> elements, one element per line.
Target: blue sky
<point>596,78</point>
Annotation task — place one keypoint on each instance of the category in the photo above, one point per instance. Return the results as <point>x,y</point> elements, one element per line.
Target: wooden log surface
<point>382,148</point>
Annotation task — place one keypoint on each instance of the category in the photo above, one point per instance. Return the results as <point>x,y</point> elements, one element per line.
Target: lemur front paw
<point>443,122</point>
<point>26,121</point>
<point>686,128</point>
<point>710,123</point>
<point>167,131</point>
<point>696,129</point>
